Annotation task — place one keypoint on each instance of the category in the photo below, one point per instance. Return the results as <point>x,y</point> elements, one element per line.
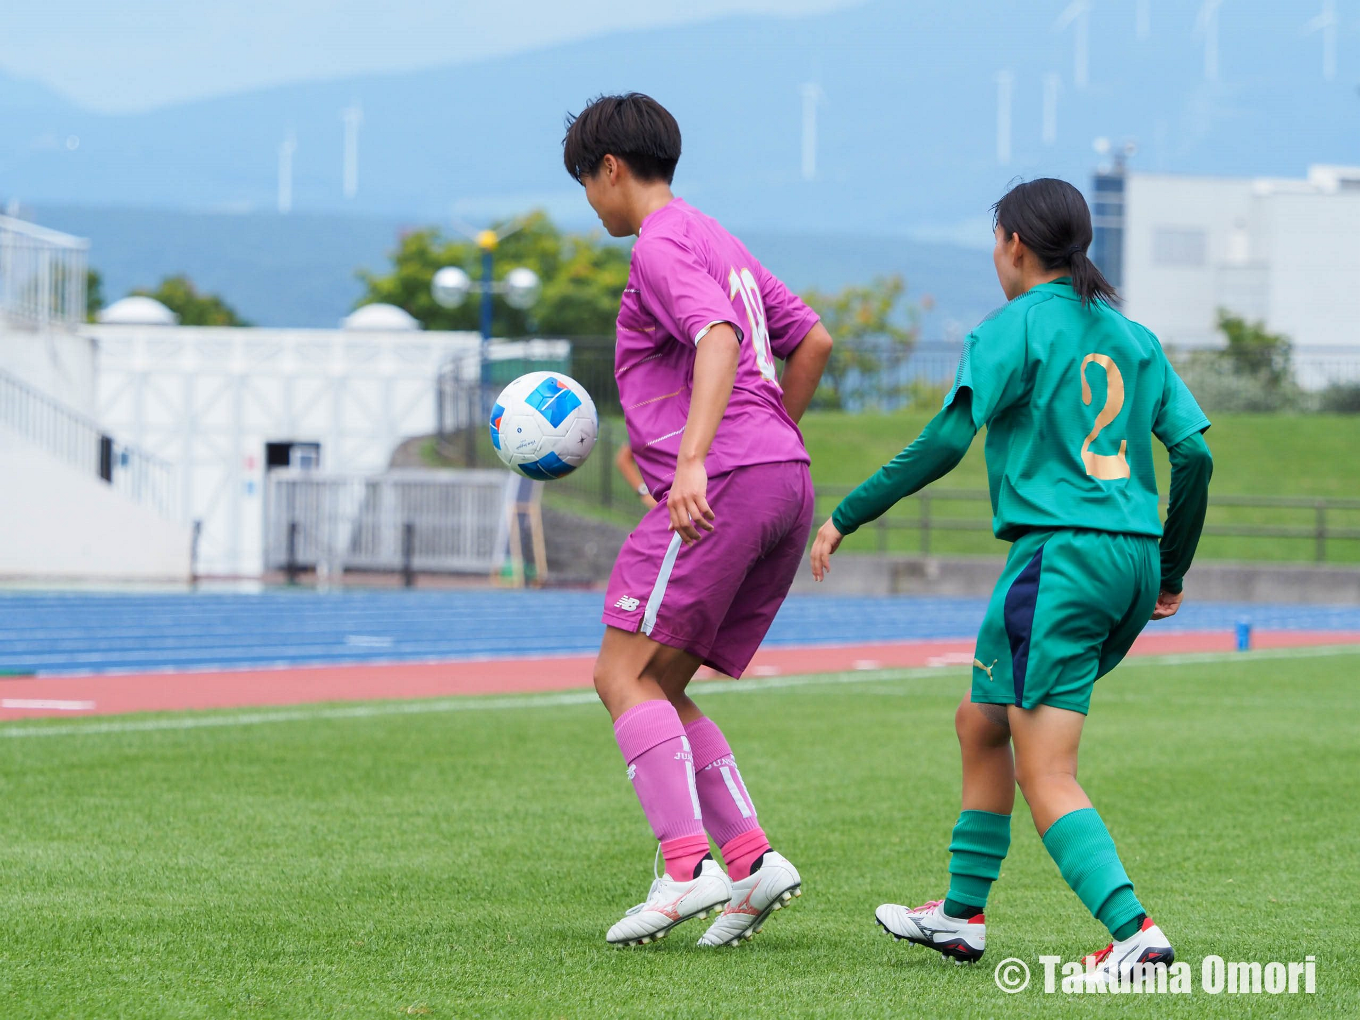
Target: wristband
<point>642,489</point>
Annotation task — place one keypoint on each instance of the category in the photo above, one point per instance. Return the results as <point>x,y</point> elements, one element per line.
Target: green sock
<point>977,848</point>
<point>1082,848</point>
<point>1129,928</point>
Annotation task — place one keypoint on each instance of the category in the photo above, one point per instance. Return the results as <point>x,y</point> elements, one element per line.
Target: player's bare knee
<point>1036,777</point>
<point>609,679</point>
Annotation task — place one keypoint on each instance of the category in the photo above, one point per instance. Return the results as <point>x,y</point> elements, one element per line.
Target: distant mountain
<point>906,132</point>
<point>274,270</point>
<point>300,270</point>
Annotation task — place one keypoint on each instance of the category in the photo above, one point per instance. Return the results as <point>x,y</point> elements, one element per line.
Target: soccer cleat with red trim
<point>1116,963</point>
<point>957,938</point>
<point>670,903</point>
<point>770,887</point>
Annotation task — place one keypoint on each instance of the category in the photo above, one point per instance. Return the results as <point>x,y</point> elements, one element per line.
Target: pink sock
<point>728,811</point>
<point>740,852</point>
<point>654,745</point>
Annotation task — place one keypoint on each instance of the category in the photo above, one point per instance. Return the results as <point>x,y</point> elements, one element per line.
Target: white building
<point>1280,251</point>
<point>226,404</point>
<point>78,504</point>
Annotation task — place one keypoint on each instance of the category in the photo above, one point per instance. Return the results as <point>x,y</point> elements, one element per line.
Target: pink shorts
<point>716,599</point>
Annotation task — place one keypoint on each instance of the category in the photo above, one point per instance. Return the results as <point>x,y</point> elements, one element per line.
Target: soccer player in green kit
<point>1071,393</point>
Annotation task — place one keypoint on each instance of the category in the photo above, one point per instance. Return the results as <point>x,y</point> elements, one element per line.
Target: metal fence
<point>404,520</point>
<point>42,275</point>
<point>79,442</point>
<point>1321,523</point>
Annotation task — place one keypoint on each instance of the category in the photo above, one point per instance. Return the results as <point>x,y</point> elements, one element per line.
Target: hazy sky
<point>134,54</point>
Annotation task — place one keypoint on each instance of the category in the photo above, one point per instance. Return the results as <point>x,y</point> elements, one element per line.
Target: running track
<point>114,653</point>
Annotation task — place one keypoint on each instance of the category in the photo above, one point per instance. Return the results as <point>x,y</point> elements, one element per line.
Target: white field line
<point>370,710</point>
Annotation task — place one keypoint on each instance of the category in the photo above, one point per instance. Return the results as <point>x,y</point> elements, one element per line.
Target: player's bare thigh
<point>632,668</point>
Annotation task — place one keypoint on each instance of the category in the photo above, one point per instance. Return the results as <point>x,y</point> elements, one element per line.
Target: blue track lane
<point>79,632</point>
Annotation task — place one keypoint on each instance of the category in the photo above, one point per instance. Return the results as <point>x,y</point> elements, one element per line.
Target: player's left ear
<point>1017,249</point>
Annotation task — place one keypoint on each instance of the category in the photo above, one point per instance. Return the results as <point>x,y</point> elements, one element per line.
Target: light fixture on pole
<point>451,285</point>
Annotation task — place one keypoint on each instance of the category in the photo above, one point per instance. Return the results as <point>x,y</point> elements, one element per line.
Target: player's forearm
<point>1191,468</point>
<point>937,451</point>
<point>803,370</point>
<point>627,466</point>
<point>715,372</point>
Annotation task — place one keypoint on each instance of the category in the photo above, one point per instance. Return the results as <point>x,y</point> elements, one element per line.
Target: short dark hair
<point>1054,221</point>
<point>635,128</point>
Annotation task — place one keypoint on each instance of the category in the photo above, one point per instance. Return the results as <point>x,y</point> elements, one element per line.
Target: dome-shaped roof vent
<point>138,311</point>
<point>380,318</point>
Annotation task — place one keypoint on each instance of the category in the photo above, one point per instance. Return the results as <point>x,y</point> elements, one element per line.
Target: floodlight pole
<point>486,241</point>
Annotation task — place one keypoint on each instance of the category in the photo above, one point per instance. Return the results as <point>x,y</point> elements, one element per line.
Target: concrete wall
<point>1178,232</point>
<point>1279,251</point>
<point>64,524</point>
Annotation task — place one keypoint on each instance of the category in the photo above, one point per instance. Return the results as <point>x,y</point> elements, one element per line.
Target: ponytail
<point>1054,222</point>
<point>1089,282</point>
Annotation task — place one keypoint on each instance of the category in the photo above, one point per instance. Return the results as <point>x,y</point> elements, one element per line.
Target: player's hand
<point>1167,604</point>
<point>691,515</point>
<point>648,500</point>
<point>828,540</point>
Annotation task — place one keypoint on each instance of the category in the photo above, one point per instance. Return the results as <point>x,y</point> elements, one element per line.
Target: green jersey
<point>1071,397</point>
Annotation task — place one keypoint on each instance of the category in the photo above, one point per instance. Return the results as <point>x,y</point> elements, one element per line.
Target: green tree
<point>94,294</point>
<point>582,278</point>
<point>179,294</point>
<point>1256,352</point>
<point>868,333</point>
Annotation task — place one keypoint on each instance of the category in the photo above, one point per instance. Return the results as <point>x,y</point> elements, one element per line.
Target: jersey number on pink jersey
<point>743,282</point>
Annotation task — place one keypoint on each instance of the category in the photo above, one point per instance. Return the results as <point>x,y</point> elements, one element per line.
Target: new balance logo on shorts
<point>628,604</point>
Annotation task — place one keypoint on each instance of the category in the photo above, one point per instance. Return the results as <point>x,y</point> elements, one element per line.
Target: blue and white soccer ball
<point>544,425</point>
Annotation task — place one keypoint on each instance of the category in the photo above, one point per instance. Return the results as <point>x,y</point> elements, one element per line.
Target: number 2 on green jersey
<point>1105,466</point>
<point>744,283</point>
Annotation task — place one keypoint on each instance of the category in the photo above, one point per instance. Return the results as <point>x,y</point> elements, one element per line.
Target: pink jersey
<point>687,275</point>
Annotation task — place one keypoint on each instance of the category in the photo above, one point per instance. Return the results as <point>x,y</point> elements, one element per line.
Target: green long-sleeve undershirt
<point>1191,468</point>
<point>935,453</point>
<point>944,442</point>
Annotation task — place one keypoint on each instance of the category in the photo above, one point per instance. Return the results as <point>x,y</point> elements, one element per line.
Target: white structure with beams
<point>210,400</point>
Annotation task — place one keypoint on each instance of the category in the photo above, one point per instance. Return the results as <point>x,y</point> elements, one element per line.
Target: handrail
<point>72,437</point>
<point>41,233</point>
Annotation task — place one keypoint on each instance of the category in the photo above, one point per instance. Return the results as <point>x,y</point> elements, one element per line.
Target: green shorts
<point>1066,610</point>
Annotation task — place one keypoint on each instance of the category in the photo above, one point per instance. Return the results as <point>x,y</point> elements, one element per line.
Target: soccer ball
<point>544,425</point>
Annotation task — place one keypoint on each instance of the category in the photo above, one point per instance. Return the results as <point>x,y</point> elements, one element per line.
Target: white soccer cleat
<point>754,898</point>
<point>670,903</point>
<point>960,939</point>
<point>1119,962</point>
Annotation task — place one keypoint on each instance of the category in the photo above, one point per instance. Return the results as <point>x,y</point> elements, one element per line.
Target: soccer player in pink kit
<point>715,436</point>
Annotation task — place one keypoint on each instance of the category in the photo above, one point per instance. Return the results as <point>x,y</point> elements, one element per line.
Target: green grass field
<point>464,858</point>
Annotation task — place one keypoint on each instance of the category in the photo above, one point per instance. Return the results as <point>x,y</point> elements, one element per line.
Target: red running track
<point>30,697</point>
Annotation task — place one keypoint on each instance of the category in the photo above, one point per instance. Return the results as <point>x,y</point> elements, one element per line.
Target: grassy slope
<point>467,863</point>
<point>1254,455</point>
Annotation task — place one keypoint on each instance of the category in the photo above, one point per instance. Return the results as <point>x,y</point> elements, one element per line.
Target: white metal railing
<point>42,275</point>
<point>71,437</point>
<point>415,519</point>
